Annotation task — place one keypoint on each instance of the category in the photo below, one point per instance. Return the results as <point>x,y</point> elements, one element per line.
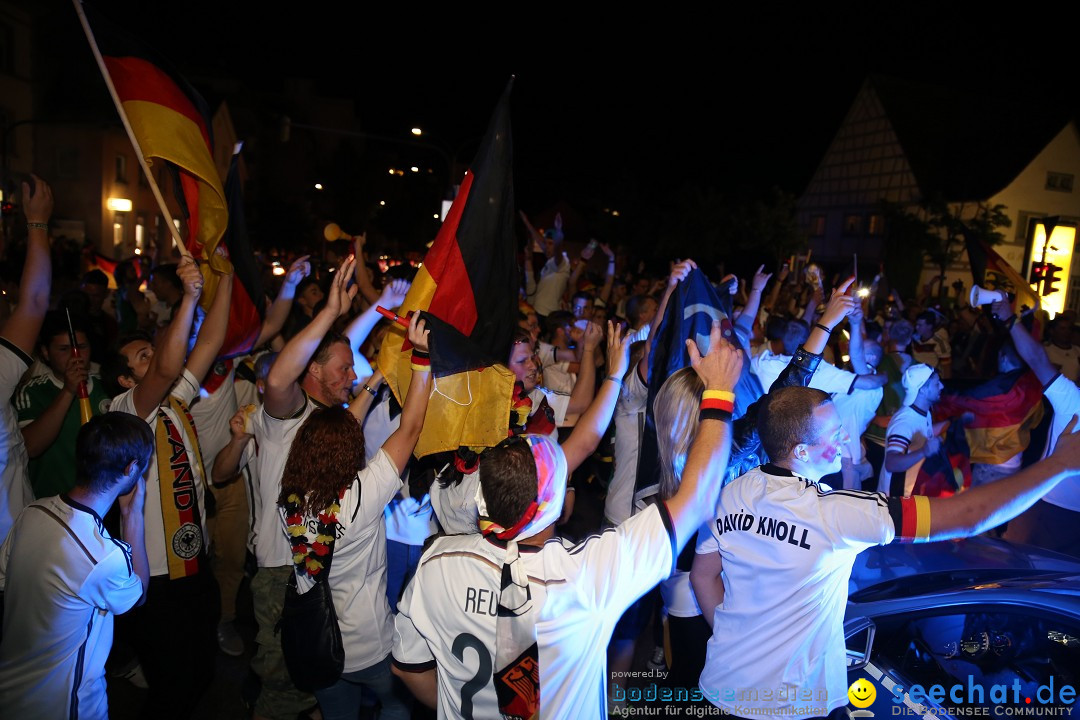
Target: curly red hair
<point>324,458</point>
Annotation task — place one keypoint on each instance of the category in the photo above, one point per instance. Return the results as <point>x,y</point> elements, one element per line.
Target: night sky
<point>617,105</point>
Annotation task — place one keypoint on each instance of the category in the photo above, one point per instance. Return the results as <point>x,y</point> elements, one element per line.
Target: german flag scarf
<point>180,513</point>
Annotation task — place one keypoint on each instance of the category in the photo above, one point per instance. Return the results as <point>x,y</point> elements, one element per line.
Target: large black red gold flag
<point>248,306</point>
<point>169,121</point>
<point>467,285</point>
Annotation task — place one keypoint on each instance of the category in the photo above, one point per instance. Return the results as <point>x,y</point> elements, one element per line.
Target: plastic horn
<point>393,316</point>
<point>333,232</point>
<point>85,411</point>
<point>982,296</point>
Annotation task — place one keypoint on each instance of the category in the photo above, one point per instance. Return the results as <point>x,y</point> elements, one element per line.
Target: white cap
<point>914,378</point>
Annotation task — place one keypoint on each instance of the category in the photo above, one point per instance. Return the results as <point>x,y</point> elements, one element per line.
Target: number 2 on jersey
<point>483,671</point>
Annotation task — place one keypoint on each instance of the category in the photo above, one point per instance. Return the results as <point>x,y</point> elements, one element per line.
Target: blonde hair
<point>676,413</point>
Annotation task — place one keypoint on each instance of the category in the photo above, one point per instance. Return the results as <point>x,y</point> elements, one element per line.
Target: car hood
<point>905,570</point>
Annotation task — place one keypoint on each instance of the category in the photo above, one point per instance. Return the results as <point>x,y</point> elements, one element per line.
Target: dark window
<point>817,225</point>
<point>1061,182</point>
<point>852,224</point>
<point>121,169</point>
<point>67,163</point>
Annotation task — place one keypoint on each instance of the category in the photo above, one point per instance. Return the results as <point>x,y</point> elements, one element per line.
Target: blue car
<point>966,628</point>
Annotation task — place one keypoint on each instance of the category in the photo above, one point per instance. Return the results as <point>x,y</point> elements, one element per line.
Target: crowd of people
<point>140,469</point>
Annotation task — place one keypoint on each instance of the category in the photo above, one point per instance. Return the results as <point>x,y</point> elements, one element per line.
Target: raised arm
<point>706,462</point>
<point>22,328</point>
<point>400,444</point>
<point>988,506</point>
<point>171,349</point>
<point>753,301</point>
<point>678,274</point>
<point>279,309</point>
<point>585,387</point>
<point>227,462</point>
<point>212,332</point>
<point>1026,346</point>
<point>838,308</point>
<point>392,296</point>
<point>609,275</point>
<point>283,394</point>
<point>590,427</point>
<point>363,282</point>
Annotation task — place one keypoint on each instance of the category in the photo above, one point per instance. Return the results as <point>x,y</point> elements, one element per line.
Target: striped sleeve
<point>911,518</point>
<point>897,443</point>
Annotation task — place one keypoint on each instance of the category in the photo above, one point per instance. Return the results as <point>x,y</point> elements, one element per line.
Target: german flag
<point>991,271</point>
<point>169,121</point>
<point>248,306</point>
<point>1011,416</point>
<point>467,286</point>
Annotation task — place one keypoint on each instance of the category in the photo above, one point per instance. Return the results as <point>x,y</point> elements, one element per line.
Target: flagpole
<point>184,252</point>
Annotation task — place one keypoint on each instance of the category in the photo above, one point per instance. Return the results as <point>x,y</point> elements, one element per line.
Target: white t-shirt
<point>63,577</point>
<point>787,548</point>
<point>629,426</point>
<point>408,520</point>
<point>1064,396</point>
<point>908,430</point>
<point>358,569</point>
<point>448,614</point>
<point>274,437</point>
<point>934,352</point>
<point>186,388</point>
<point>15,492</point>
<point>767,365</point>
<point>212,412</point>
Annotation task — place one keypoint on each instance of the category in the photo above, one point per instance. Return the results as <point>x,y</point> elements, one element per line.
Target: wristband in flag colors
<point>713,401</point>
<point>421,361</point>
<point>911,518</point>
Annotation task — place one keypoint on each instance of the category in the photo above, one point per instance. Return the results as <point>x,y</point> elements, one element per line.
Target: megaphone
<point>982,296</point>
<point>333,232</point>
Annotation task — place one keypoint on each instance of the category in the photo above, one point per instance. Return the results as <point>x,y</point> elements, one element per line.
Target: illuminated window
<point>1061,182</point>
<point>120,221</point>
<point>875,225</point>
<point>817,225</point>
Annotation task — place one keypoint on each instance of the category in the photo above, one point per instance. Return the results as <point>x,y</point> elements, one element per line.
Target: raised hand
<point>618,349</point>
<point>680,271</point>
<point>720,368</point>
<point>75,373</point>
<point>299,270</point>
<point>394,294</point>
<point>190,276</point>
<point>340,296</point>
<point>760,279</point>
<point>418,333</point>
<point>839,306</point>
<point>39,206</point>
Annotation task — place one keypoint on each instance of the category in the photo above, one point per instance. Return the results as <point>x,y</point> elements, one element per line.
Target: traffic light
<point>1050,277</point>
<point>1038,271</point>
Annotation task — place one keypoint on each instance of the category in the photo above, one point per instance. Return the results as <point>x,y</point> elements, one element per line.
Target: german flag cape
<point>1011,416</point>
<point>467,287</point>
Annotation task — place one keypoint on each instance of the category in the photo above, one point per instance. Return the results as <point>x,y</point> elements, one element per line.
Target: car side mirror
<point>859,640</point>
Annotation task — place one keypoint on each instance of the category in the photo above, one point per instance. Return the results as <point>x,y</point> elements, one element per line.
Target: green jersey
<point>53,472</point>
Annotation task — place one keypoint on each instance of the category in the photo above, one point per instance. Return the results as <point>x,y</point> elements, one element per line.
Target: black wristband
<point>714,414</point>
<point>819,326</point>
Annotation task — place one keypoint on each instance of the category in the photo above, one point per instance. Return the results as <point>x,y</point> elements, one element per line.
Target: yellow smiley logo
<point>862,693</point>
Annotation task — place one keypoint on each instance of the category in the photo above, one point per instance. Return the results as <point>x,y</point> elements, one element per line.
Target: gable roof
<point>966,145</point>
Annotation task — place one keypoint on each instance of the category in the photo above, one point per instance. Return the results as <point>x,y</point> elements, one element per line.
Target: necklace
<point>310,556</point>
